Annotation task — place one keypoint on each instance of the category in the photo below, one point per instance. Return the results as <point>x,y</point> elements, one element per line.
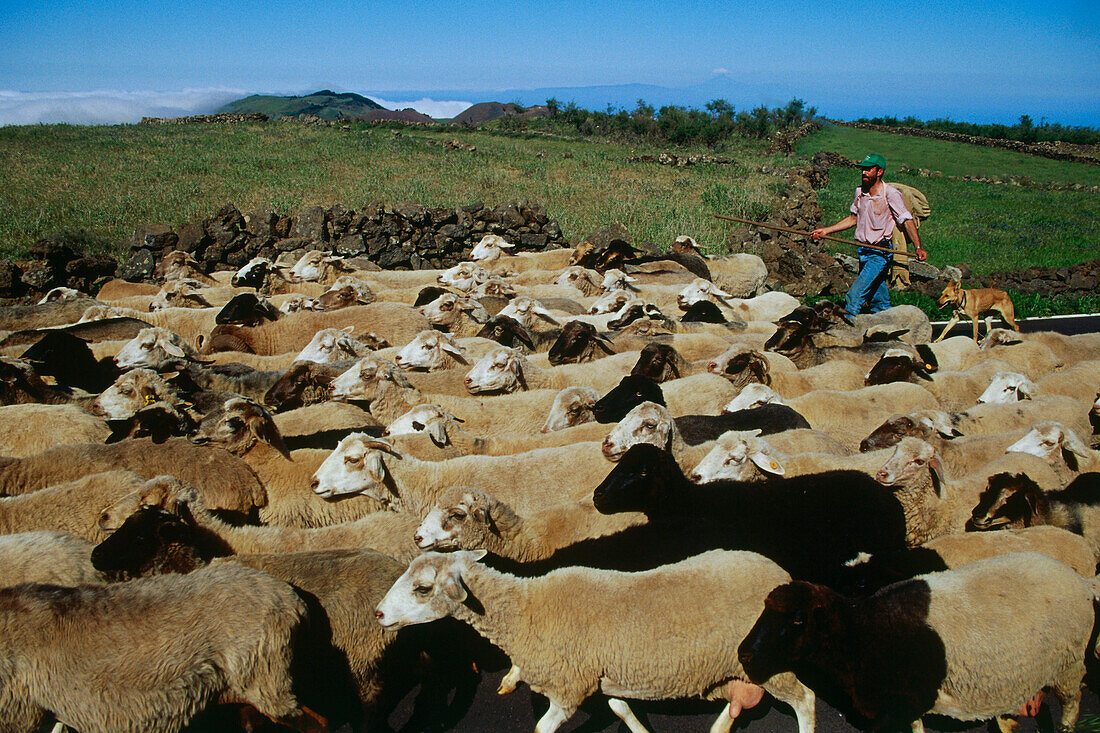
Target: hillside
<point>326,104</point>
<point>487,112</point>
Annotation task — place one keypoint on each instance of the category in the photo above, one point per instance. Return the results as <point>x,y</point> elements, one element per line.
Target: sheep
<point>1080,381</point>
<point>362,465</point>
<point>959,454</point>
<point>431,350</point>
<point>936,506</point>
<point>296,302</point>
<point>304,383</point>
<point>527,311</point>
<point>459,316</point>
<point>510,332</point>
<point>57,313</point>
<point>506,370</point>
<point>998,418</point>
<point>322,425</point>
<point>19,385</point>
<point>390,533</point>
<point>767,307</point>
<point>337,344</point>
<point>29,429</point>
<point>953,390</point>
<point>794,340</point>
<point>742,364</point>
<point>742,455</point>
<point>931,650</point>
<point>752,396</point>
<point>139,388</point>
<point>572,406</point>
<point>809,524</point>
<point>70,361</point>
<point>1058,446</point>
<point>429,433</point>
<point>345,291</point>
<point>392,322</point>
<point>741,275</point>
<point>1007,387</point>
<point>226,482</point>
<point>697,394</point>
<point>61,293</point>
<point>154,652</point>
<point>726,589</point>
<point>158,349</point>
<point>179,265</point>
<point>928,425</point>
<point>463,276</point>
<point>247,309</point>
<point>849,416</point>
<point>1070,349</point>
<point>1033,358</point>
<point>588,282</point>
<point>1017,500</point>
<point>117,288</point>
<point>41,556</point>
<point>178,294</point>
<point>317,266</point>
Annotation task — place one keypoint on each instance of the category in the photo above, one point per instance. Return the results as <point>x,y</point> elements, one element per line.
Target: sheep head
<point>1008,499</point>
<point>355,466</point>
<point>647,423</point>
<point>429,589</point>
<point>430,350</point>
<point>736,457</point>
<point>1008,387</point>
<point>501,370</point>
<point>571,406</point>
<point>237,426</point>
<point>461,519</point>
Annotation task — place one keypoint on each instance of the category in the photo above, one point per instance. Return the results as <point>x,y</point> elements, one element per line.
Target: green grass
<point>990,228</point>
<point>107,180</point>
<point>950,158</point>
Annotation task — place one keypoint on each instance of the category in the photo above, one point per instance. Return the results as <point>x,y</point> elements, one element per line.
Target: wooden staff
<point>831,238</point>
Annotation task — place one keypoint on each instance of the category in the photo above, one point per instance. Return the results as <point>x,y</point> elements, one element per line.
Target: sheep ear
<point>454,350</point>
<point>936,467</point>
<point>1072,445</point>
<point>767,463</point>
<point>375,468</point>
<point>517,369</point>
<point>348,329</point>
<point>171,349</point>
<point>437,431</point>
<point>760,367</point>
<point>454,589</point>
<point>1023,391</point>
<point>263,427</point>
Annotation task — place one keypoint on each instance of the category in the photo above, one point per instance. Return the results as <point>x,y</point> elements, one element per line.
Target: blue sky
<point>979,61</point>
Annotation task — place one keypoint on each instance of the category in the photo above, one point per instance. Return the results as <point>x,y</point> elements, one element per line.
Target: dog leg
<point>952,322</point>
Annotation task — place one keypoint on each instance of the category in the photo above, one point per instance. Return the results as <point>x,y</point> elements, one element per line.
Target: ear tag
<point>774,465</point>
<point>149,399</point>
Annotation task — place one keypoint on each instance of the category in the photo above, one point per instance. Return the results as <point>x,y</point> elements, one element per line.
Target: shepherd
<point>876,210</point>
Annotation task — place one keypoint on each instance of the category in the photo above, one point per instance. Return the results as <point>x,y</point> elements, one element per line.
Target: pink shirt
<point>876,216</point>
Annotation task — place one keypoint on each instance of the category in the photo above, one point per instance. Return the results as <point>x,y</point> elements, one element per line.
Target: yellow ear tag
<point>928,367</point>
<point>774,464</point>
<point>149,399</point>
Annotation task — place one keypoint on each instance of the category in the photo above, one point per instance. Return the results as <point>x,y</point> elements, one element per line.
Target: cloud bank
<point>436,108</point>
<point>108,106</point>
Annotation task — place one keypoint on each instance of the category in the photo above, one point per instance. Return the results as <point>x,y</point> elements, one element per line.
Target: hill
<point>326,104</point>
<point>487,112</point>
<point>407,115</point>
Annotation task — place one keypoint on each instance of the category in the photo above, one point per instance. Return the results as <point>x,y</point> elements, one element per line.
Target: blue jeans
<point>868,292</point>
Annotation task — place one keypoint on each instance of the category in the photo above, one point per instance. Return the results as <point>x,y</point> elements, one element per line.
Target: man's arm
<point>846,223</point>
<point>914,237</point>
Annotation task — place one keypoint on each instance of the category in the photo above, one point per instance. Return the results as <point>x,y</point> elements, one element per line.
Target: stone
<point>443,217</point>
<point>11,280</point>
<point>236,259</point>
<point>311,225</point>
<point>39,275</point>
<point>192,237</point>
<point>290,244</point>
<point>342,219</point>
<point>262,225</point>
<point>392,257</point>
<point>350,246</point>
<point>923,270</point>
<point>53,251</point>
<point>282,227</point>
<point>153,236</point>
<point>139,267</point>
<point>533,241</point>
<point>414,213</point>
<point>508,216</point>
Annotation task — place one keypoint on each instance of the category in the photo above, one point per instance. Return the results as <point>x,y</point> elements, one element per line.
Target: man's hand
<point>818,233</point>
<point>921,254</point>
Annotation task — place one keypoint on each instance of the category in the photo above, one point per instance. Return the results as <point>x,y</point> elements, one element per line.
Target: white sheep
<point>43,556</point>
<point>849,416</point>
<point>460,316</point>
<point>998,418</point>
<point>1007,387</point>
<point>506,370</point>
<point>158,349</point>
<point>746,456</point>
<point>1060,447</point>
<point>716,596</point>
<point>31,428</point>
<point>753,395</point>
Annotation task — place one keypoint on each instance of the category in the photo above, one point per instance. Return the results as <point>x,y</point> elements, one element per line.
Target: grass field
<point>106,180</point>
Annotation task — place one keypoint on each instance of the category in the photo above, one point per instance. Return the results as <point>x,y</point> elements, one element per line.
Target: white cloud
<point>108,106</point>
<point>720,70</point>
<point>439,109</point>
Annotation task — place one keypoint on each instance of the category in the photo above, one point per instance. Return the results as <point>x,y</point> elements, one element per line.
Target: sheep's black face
<point>298,387</point>
<point>632,391</point>
<point>890,433</point>
<point>703,312</point>
<point>246,310</point>
<point>67,359</point>
<point>890,369</point>
<point>253,277</point>
<point>640,482</point>
<point>506,332</point>
<point>657,362</point>
<point>1007,498</point>
<point>788,337</point>
<point>428,294</point>
<point>776,641</point>
<point>147,543</point>
<point>574,344</point>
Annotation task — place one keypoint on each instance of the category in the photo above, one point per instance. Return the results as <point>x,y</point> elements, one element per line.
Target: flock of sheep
<point>237,499</point>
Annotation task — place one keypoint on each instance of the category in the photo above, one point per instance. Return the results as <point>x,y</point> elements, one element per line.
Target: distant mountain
<point>486,112</point>
<point>399,115</point>
<point>326,104</point>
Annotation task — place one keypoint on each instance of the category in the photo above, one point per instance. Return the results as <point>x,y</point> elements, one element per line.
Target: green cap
<point>874,160</point>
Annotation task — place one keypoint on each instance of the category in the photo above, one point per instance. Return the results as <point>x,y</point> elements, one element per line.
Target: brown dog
<point>975,302</point>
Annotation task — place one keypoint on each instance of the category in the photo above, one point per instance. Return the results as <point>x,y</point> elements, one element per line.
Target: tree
<point>719,107</point>
<point>642,111</point>
<point>553,106</point>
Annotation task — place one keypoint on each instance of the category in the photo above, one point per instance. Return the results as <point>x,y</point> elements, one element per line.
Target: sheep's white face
<point>646,423</point>
<point>526,310</point>
<point>448,308</point>
<point>577,277</point>
<point>611,302</point>
<point>1000,337</point>
<point>495,287</point>
<point>430,350</point>
<point>572,406</point>
<point>256,269</point>
<point>354,467</point>
<point>178,265</point>
<point>1008,387</point>
<point>419,419</point>
<point>152,348</point>
<point>131,392</point>
<point>752,396</point>
<point>430,589</point>
<point>1096,406</point>
<point>700,290</point>
<point>616,280</point>
<point>737,456</point>
<point>911,457</point>
<point>300,303</point>
<point>489,248</point>
<point>464,276</point>
<point>100,312</point>
<point>443,526</point>
<point>329,345</point>
<point>498,371</point>
<point>1050,441</point>
<point>363,293</point>
<point>60,293</point>
<point>178,294</point>
<point>313,266</point>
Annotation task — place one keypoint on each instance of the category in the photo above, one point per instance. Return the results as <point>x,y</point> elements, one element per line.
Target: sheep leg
<point>509,681</point>
<point>918,726</point>
<point>724,721</point>
<point>950,323</point>
<point>787,689</point>
<point>1007,723</point>
<point>553,718</point>
<point>1068,691</point>
<point>620,708</point>
<point>58,727</point>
